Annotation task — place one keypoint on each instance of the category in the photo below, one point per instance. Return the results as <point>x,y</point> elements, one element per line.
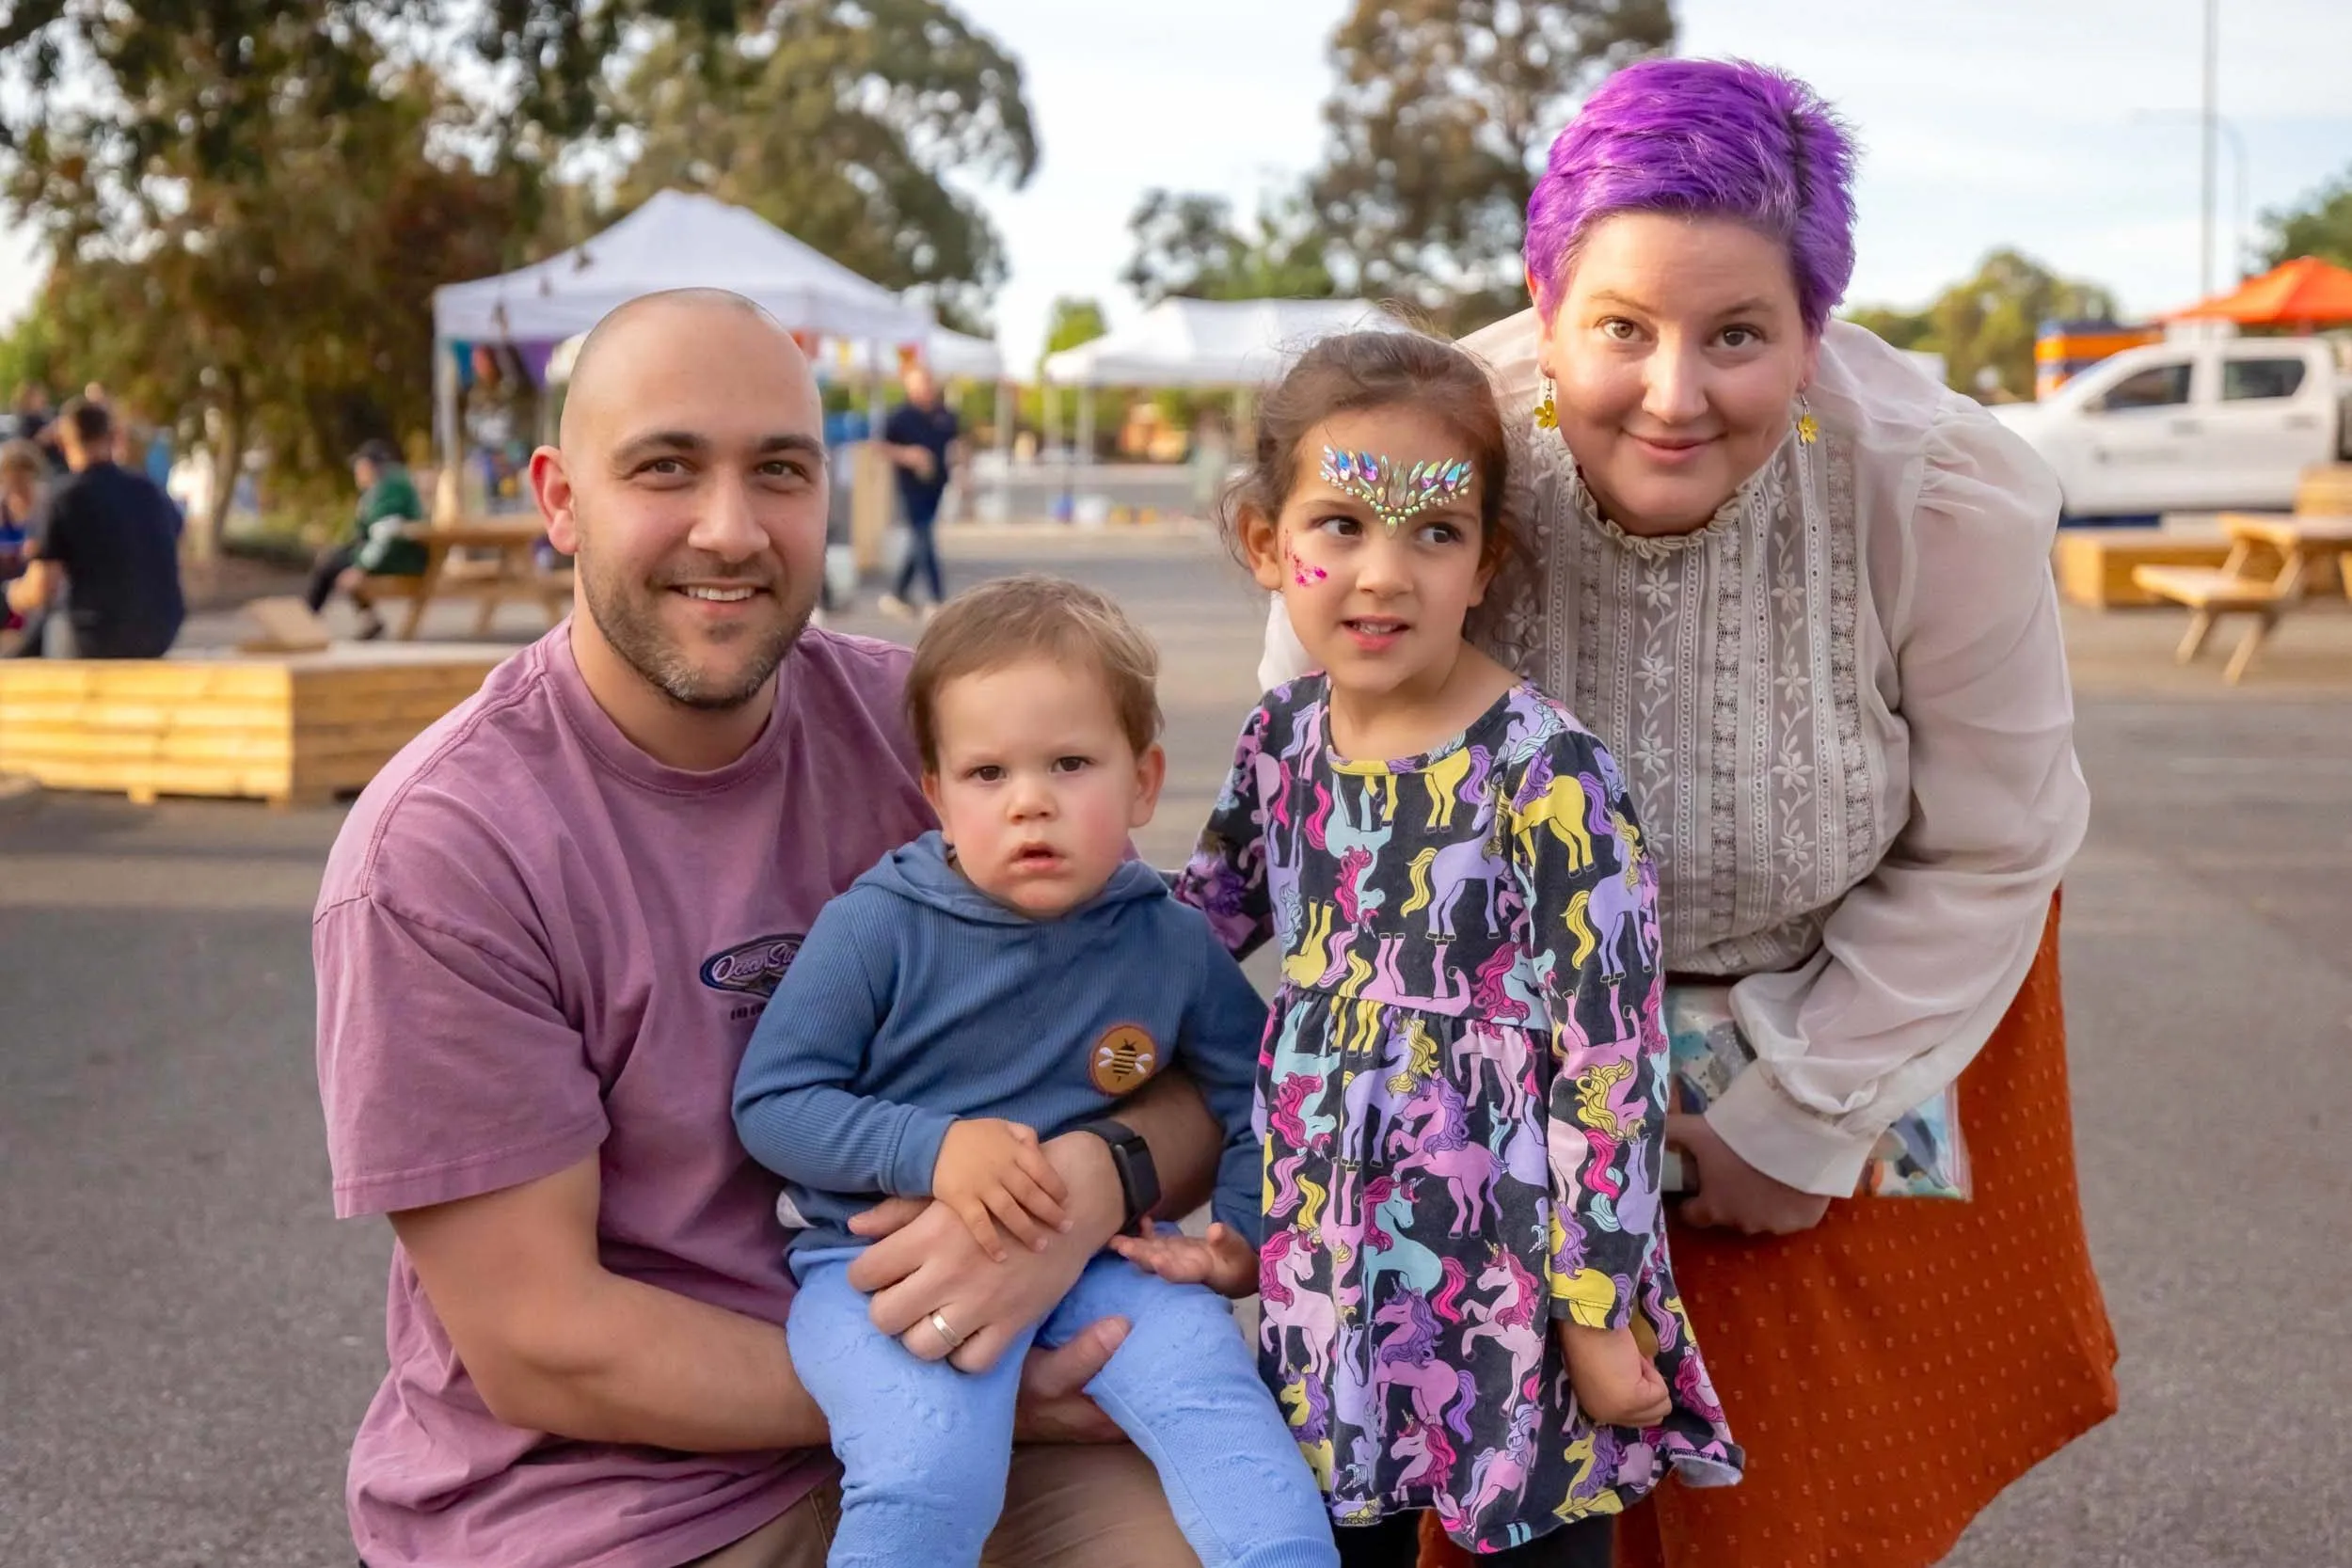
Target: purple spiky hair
<point>1721,138</point>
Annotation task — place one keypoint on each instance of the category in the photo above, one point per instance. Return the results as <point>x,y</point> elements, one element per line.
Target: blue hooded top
<point>917,999</point>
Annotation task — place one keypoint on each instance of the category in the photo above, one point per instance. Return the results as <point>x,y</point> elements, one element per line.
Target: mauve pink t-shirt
<point>536,944</point>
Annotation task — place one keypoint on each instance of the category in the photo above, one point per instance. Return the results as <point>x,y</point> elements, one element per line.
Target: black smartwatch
<point>1138,1177</point>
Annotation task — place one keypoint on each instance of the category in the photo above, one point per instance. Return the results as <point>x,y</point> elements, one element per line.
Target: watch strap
<point>1138,1177</point>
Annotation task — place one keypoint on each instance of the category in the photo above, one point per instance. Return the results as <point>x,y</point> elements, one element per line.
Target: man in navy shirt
<point>107,540</point>
<point>920,436</point>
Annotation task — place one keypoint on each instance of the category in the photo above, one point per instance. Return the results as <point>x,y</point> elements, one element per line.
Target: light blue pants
<point>924,1447</point>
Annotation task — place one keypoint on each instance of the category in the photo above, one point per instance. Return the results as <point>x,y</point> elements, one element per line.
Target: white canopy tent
<point>1211,343</point>
<point>951,355</point>
<point>1200,343</point>
<point>676,240</point>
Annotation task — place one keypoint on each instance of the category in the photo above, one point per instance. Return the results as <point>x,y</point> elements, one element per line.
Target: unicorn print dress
<point>1462,1090</point>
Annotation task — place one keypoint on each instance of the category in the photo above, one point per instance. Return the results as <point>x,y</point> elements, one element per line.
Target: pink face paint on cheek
<point>1304,575</point>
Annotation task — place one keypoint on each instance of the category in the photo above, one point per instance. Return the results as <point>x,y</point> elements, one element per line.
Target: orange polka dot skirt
<point>1892,1370</point>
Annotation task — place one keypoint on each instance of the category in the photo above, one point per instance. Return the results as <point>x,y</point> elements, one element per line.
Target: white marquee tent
<point>1211,343</point>
<point>677,241</point>
<point>680,239</point>
<point>951,355</point>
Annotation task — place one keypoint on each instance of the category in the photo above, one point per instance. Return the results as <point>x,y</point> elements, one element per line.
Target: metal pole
<point>2213,49</point>
<point>2238,209</point>
<point>448,500</point>
<point>1006,413</point>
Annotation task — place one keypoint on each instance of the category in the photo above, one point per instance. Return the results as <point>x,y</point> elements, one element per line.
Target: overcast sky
<point>2065,127</point>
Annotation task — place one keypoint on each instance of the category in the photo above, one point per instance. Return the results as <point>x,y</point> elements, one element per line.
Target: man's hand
<point>1053,1406</point>
<point>1734,1194</point>
<point>987,1166</point>
<point>927,1262</point>
<point>1222,1260</point>
<point>1615,1384</point>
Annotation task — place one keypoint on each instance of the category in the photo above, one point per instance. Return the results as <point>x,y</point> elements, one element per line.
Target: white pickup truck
<point>2195,425</point>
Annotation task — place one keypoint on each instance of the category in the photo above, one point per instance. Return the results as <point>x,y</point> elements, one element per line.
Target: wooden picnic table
<point>2306,544</point>
<point>486,559</point>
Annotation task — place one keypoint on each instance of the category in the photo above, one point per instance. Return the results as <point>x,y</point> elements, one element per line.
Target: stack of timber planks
<point>290,729</point>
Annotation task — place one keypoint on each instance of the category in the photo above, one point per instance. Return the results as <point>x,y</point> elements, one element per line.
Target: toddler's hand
<point>1222,1260</point>
<point>990,1167</point>
<point>1615,1383</point>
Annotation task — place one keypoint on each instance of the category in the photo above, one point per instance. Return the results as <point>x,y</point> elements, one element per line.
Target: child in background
<point>1004,980</point>
<point>1467,1305</point>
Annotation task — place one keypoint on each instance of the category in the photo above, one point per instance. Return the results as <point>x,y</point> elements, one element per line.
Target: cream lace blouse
<point>1842,709</point>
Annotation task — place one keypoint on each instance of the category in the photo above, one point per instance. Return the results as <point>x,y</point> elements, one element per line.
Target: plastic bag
<point>1922,1155</point>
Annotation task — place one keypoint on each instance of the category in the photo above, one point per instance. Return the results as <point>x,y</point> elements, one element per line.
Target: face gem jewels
<point>1396,494</point>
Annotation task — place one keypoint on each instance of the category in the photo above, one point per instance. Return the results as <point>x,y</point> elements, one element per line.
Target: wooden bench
<point>288,728</point>
<point>2307,546</point>
<point>487,560</point>
<point>2095,565</point>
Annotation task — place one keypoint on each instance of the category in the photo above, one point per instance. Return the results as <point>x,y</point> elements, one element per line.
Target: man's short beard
<point>639,640</point>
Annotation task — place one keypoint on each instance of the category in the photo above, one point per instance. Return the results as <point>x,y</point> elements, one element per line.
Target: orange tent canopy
<point>2306,291</point>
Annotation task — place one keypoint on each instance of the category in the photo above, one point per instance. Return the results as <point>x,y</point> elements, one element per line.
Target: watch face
<point>1140,1176</point>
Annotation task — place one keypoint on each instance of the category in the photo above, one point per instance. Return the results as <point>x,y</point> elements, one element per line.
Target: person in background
<point>1212,460</point>
<point>32,420</point>
<point>378,544</point>
<point>23,467</point>
<point>921,438</point>
<point>107,542</point>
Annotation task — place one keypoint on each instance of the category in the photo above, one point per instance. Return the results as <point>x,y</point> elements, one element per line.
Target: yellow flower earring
<point>1808,428</point>
<point>1547,408</point>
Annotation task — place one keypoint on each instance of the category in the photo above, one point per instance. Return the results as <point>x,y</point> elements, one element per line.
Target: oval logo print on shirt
<point>752,967</point>
<point>1122,1059</point>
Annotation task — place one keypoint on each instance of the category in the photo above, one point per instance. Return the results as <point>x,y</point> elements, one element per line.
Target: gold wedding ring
<point>939,1327</point>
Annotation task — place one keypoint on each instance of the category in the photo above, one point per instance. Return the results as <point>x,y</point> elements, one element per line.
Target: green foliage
<point>247,203</point>
<point>1071,322</point>
<point>1439,123</point>
<point>1903,329</point>
<point>1187,246</point>
<point>269,273</point>
<point>548,57</point>
<point>839,122</point>
<point>1068,323</point>
<point>29,352</point>
<point>2320,224</point>
<point>1990,320</point>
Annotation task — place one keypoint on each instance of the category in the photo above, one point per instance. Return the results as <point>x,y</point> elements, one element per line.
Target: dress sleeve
<point>1920,960</point>
<point>1593,939</point>
<point>1224,1030</point>
<point>1226,878</point>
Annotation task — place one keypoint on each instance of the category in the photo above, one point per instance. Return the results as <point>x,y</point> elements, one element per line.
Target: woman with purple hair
<point>1803,593</point>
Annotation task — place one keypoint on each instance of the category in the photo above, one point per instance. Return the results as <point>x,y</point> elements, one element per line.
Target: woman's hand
<point>1734,1194</point>
<point>927,1261</point>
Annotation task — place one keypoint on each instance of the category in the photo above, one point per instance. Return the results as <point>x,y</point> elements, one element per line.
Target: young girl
<point>1466,1299</point>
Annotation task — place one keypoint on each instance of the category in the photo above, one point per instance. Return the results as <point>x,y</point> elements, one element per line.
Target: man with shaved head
<point>546,932</point>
